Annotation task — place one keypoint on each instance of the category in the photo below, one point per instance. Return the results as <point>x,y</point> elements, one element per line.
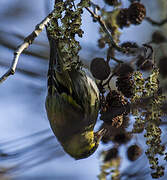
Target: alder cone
<point>130,47</point>
<point>100,69</point>
<point>137,13</point>
<point>116,134</point>
<point>123,18</point>
<point>134,152</point>
<point>122,138</point>
<point>125,84</point>
<point>129,44</point>
<point>124,69</point>
<point>101,43</point>
<point>115,108</point>
<point>158,37</point>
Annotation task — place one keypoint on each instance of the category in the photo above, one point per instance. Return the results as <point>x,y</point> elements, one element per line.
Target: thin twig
<point>4,41</point>
<point>108,80</point>
<point>116,60</point>
<point>155,23</point>
<point>94,5</point>
<point>27,42</point>
<point>103,25</point>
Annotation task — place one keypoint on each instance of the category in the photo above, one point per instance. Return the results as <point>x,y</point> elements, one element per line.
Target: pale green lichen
<point>148,117</point>
<point>64,26</point>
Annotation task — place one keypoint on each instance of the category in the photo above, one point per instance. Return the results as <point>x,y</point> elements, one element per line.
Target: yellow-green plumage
<point>72,105</point>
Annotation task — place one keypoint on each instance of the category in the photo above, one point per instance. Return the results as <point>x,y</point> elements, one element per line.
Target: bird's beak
<point>99,134</point>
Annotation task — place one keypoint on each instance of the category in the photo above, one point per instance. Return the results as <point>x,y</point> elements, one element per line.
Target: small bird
<point>72,105</point>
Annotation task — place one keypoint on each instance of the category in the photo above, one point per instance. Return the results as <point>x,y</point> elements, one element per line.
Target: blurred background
<point>22,96</point>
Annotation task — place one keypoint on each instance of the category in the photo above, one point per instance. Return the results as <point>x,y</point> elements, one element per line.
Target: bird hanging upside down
<point>72,105</point>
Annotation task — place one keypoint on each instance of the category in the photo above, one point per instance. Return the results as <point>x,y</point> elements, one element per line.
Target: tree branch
<point>103,25</point>
<point>155,23</point>
<point>27,42</point>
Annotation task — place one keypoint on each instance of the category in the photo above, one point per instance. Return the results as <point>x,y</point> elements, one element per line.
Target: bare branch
<point>4,41</point>
<point>109,79</point>
<point>103,25</point>
<point>155,23</point>
<point>27,42</point>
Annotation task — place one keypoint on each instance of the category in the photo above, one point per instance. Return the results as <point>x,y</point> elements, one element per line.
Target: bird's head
<point>83,145</point>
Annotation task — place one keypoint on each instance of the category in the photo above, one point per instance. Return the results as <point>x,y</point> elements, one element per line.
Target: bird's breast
<point>66,119</point>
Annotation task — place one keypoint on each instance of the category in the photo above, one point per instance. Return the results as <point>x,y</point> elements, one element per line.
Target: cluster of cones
<point>134,14</point>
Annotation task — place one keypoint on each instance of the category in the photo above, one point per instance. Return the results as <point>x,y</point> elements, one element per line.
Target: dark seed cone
<point>158,37</point>
<point>134,152</point>
<point>129,44</point>
<point>125,85</point>
<point>122,138</point>
<point>117,121</point>
<point>114,99</point>
<point>100,69</point>
<point>130,47</point>
<point>114,132</point>
<point>125,122</point>
<point>115,107</point>
<point>163,66</point>
<point>101,43</point>
<point>124,69</point>
<point>110,133</point>
<point>111,154</point>
<point>120,121</point>
<point>112,2</point>
<point>144,64</point>
<point>123,18</point>
<point>137,13</point>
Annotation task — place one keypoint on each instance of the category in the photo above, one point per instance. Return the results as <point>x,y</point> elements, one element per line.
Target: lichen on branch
<point>64,27</point>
